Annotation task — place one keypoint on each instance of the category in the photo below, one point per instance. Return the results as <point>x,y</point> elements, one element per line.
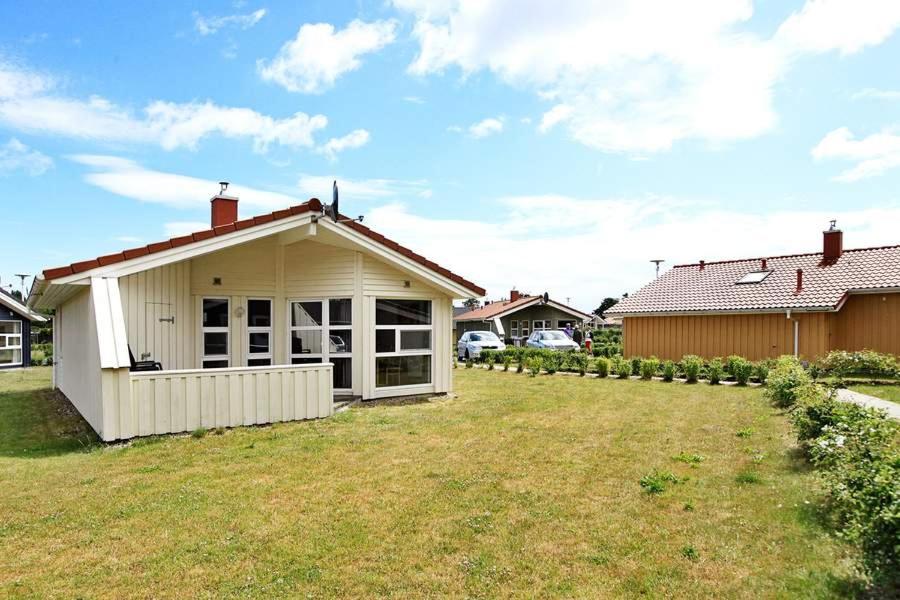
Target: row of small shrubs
<point>857,452</point>
<point>864,363</point>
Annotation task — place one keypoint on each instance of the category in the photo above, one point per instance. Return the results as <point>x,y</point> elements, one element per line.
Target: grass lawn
<point>885,392</point>
<point>517,487</point>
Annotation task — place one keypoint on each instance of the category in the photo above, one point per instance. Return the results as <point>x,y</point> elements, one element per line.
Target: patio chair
<point>143,365</point>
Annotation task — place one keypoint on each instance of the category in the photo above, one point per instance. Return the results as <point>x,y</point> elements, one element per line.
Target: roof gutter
<point>749,311</point>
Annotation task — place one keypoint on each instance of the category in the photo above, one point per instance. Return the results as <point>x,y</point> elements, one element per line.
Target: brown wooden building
<point>801,304</point>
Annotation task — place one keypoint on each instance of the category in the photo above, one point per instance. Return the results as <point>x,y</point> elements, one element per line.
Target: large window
<point>321,331</point>
<point>214,325</point>
<point>259,332</point>
<point>403,342</point>
<point>539,325</point>
<point>514,328</point>
<point>10,343</point>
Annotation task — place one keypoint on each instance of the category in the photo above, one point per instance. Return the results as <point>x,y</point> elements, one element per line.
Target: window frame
<point>514,328</point>
<point>544,325</point>
<point>325,328</point>
<point>251,329</point>
<point>398,347</point>
<point>204,357</point>
<point>6,337</point>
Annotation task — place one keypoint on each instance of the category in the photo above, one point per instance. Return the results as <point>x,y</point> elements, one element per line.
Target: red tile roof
<point>313,205</point>
<point>489,311</point>
<point>713,287</point>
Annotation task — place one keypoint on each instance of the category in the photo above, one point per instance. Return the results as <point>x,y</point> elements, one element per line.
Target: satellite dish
<point>332,210</point>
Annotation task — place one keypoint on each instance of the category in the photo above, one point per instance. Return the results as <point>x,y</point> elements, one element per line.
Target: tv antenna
<point>22,277</point>
<point>656,262</point>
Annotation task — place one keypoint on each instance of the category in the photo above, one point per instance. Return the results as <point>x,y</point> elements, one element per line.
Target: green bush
<point>489,357</point>
<point>841,363</point>
<point>741,369</point>
<point>553,361</point>
<point>786,381</point>
<point>715,370</point>
<point>469,363</point>
<point>534,362</point>
<point>858,452</point>
<point>621,367</point>
<point>507,361</point>
<point>578,362</point>
<point>602,366</point>
<point>691,364</point>
<point>668,370</point>
<point>761,370</point>
<point>731,362</point>
<point>636,365</point>
<point>649,367</point>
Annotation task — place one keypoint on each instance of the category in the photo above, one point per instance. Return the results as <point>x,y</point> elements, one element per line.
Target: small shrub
<point>715,370</point>
<point>691,365</point>
<point>730,363</point>
<point>655,481</point>
<point>507,361</point>
<point>636,365</point>
<point>786,381</point>
<point>690,553</point>
<point>553,361</point>
<point>761,370</point>
<point>621,367</point>
<point>534,364</point>
<point>602,366</point>
<point>199,433</point>
<point>668,370</point>
<point>578,362</point>
<point>649,367</point>
<point>489,357</point>
<point>747,477</point>
<point>741,369</point>
<point>469,363</point>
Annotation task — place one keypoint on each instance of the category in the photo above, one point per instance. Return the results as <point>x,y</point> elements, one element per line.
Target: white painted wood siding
<point>163,402</point>
<point>384,281</point>
<point>78,357</point>
<point>245,270</point>
<point>314,270</point>
<point>160,293</point>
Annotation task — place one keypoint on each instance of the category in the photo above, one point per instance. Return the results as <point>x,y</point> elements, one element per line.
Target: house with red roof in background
<point>805,305</point>
<point>272,318</point>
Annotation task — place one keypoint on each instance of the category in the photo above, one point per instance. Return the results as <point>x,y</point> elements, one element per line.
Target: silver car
<point>471,343</point>
<point>551,339</point>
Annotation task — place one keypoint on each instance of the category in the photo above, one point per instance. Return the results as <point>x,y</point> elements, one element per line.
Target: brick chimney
<point>832,244</point>
<point>514,295</point>
<point>224,210</point>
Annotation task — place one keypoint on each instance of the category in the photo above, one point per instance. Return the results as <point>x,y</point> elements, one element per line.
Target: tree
<point>472,303</point>
<point>605,306</point>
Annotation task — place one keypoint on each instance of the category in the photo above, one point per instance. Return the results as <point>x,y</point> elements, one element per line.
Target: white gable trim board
<point>154,306</point>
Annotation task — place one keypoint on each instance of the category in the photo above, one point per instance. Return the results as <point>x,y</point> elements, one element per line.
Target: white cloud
<point>486,127</point>
<point>454,129</point>
<point>876,94</point>
<point>355,139</point>
<point>16,156</point>
<point>632,231</point>
<point>312,61</point>
<point>210,25</point>
<point>130,179</point>
<point>638,76</point>
<point>28,104</point>
<point>874,154</point>
<point>413,99</point>
<point>319,186</point>
<point>847,26</point>
<point>554,116</point>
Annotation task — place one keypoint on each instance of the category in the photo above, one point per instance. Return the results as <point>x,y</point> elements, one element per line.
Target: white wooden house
<point>252,321</point>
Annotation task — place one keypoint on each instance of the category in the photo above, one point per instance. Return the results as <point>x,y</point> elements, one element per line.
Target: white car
<point>551,339</point>
<point>472,343</point>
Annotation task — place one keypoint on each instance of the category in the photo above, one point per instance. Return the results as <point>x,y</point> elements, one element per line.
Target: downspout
<point>796,334</point>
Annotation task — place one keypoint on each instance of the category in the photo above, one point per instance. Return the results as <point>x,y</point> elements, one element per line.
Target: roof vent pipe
<point>763,265</point>
<point>702,264</point>
<point>799,281</point>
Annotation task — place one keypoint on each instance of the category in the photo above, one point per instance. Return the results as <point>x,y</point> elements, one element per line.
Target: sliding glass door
<point>321,331</point>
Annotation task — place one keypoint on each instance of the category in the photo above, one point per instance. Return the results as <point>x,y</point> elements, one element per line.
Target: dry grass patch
<point>517,487</point>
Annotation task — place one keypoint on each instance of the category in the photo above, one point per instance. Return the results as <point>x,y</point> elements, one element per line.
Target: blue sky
<point>547,146</point>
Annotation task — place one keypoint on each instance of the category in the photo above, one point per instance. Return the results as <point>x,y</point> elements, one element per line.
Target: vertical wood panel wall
<point>869,321</point>
<point>753,336</point>
<point>172,402</point>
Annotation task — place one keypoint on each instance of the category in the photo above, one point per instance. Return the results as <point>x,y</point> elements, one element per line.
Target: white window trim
<point>254,329</point>
<point>398,349</point>
<point>226,330</point>
<point>9,346</point>
<point>326,328</point>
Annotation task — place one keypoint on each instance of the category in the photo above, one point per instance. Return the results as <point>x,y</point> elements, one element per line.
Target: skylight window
<point>754,277</point>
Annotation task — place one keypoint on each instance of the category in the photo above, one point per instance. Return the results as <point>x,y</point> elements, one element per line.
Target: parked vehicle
<point>472,343</point>
<point>551,339</point>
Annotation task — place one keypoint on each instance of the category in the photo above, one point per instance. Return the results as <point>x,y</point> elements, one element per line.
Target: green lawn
<point>517,487</point>
<point>885,392</point>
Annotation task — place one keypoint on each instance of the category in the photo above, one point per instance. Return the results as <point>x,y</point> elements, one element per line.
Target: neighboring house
<point>252,321</point>
<point>801,304</point>
<point>516,318</point>
<point>607,322</point>
<point>15,331</point>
